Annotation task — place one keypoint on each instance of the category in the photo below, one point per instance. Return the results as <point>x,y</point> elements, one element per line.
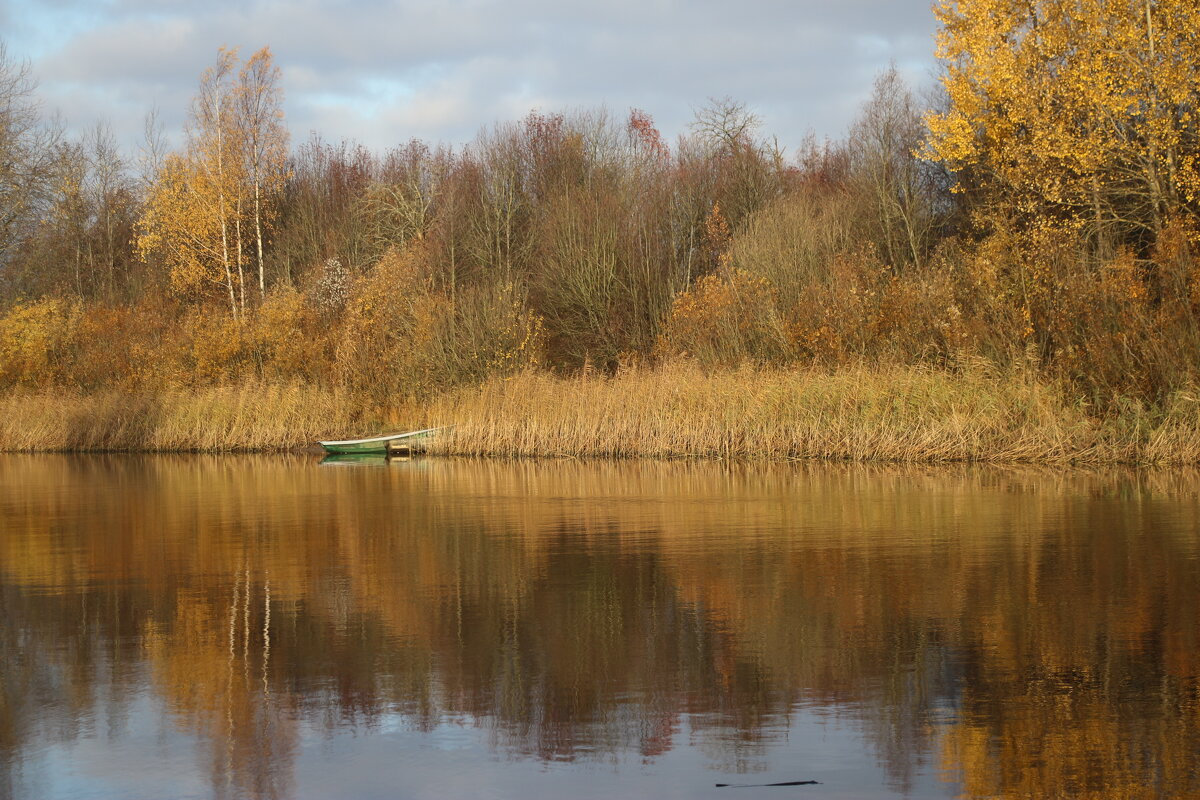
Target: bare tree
<point>152,150</point>
<point>899,187</point>
<point>727,163</point>
<point>107,190</point>
<point>725,124</point>
<point>27,153</point>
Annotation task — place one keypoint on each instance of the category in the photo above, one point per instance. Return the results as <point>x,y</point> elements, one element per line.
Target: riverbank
<point>853,413</point>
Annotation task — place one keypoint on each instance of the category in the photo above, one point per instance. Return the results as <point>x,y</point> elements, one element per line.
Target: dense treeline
<point>1043,215</point>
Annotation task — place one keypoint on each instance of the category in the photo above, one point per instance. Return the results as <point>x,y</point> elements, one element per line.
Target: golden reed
<point>252,416</point>
<point>854,413</point>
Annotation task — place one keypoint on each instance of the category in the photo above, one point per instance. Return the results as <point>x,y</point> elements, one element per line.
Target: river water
<point>277,627</point>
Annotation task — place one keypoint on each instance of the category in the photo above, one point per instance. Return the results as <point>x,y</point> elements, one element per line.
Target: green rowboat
<point>379,444</point>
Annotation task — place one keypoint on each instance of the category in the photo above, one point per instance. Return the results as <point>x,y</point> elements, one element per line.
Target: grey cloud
<point>448,68</point>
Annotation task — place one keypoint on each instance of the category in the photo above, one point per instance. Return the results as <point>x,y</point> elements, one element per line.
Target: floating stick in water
<point>753,785</point>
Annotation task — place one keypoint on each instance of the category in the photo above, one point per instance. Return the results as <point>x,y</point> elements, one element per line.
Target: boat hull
<point>379,445</point>
<point>355,449</point>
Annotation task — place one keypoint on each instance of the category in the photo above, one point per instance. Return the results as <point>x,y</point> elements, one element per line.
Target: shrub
<point>37,341</point>
<point>725,319</point>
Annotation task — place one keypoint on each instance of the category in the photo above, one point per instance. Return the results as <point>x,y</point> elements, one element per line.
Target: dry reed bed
<point>853,413</point>
<point>249,417</point>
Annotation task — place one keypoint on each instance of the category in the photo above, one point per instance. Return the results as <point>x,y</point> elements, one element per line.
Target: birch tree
<point>210,200</point>
<point>265,142</point>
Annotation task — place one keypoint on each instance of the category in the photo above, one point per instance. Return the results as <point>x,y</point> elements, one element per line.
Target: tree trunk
<point>258,238</point>
<point>237,227</point>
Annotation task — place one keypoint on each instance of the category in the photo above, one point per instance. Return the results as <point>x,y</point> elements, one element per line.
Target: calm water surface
<point>277,628</point>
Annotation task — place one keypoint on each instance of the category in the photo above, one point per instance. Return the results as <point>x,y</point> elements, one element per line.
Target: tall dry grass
<point>853,413</point>
<point>252,416</point>
<point>858,413</point>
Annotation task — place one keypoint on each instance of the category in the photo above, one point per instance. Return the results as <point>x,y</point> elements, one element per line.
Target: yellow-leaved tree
<point>190,214</point>
<point>210,205</point>
<point>181,224</point>
<point>1085,112</point>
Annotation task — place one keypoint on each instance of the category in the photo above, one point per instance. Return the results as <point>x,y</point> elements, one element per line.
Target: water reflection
<point>1008,632</point>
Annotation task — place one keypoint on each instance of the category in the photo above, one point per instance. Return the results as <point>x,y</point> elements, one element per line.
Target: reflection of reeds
<point>579,609</point>
<point>854,413</point>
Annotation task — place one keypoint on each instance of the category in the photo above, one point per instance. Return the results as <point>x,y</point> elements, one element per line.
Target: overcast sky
<point>384,71</point>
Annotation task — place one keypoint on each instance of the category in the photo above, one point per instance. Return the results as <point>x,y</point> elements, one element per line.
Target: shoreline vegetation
<point>853,413</point>
<point>1008,272</point>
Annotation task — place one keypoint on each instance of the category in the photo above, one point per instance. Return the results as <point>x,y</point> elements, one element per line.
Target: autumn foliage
<point>1042,219</point>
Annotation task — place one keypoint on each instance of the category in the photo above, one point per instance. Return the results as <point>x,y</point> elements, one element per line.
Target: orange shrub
<point>400,338</point>
<point>287,337</point>
<point>220,349</point>
<point>36,341</point>
<point>725,319</point>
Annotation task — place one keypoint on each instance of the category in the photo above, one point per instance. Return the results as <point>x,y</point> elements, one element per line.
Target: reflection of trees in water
<point>1034,632</point>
